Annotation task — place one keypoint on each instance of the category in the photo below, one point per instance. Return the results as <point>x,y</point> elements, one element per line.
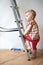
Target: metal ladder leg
<point>16,14</point>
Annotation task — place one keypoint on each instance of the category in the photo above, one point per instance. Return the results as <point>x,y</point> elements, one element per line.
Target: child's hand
<point>27,31</point>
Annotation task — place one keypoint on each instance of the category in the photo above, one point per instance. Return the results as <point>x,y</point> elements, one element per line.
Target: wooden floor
<point>11,57</point>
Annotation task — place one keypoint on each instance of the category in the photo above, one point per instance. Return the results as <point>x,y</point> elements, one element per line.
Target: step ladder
<point>19,21</point>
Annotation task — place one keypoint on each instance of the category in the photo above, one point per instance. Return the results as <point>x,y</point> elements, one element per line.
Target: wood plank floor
<point>11,57</point>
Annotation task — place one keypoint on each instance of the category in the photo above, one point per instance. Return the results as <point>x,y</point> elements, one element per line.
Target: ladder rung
<point>14,7</point>
<point>18,21</point>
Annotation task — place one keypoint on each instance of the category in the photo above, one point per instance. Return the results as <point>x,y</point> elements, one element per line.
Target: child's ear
<point>32,17</point>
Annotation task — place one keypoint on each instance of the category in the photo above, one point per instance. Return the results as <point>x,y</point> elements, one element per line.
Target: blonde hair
<point>32,11</point>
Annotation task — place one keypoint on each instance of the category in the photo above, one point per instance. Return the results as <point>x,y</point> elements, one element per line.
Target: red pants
<point>34,42</point>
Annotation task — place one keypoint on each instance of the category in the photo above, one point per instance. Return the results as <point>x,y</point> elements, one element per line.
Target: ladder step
<point>18,21</point>
<point>14,7</point>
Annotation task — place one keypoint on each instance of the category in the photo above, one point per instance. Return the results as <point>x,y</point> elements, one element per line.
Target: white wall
<point>9,40</point>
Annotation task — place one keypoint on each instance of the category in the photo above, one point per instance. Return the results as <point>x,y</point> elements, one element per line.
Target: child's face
<point>29,16</point>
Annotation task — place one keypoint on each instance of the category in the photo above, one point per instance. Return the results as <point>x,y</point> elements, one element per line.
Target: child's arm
<point>28,29</point>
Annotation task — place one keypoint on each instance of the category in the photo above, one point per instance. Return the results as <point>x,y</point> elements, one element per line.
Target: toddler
<point>31,34</point>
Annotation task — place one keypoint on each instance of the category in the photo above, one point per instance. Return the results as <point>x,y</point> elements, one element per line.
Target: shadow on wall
<point>40,43</point>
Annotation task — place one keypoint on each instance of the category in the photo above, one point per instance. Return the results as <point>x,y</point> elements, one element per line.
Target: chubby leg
<point>28,46</point>
<point>34,49</point>
<point>34,54</point>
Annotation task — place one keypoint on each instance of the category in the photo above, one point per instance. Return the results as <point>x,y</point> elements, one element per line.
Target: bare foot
<point>33,55</point>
